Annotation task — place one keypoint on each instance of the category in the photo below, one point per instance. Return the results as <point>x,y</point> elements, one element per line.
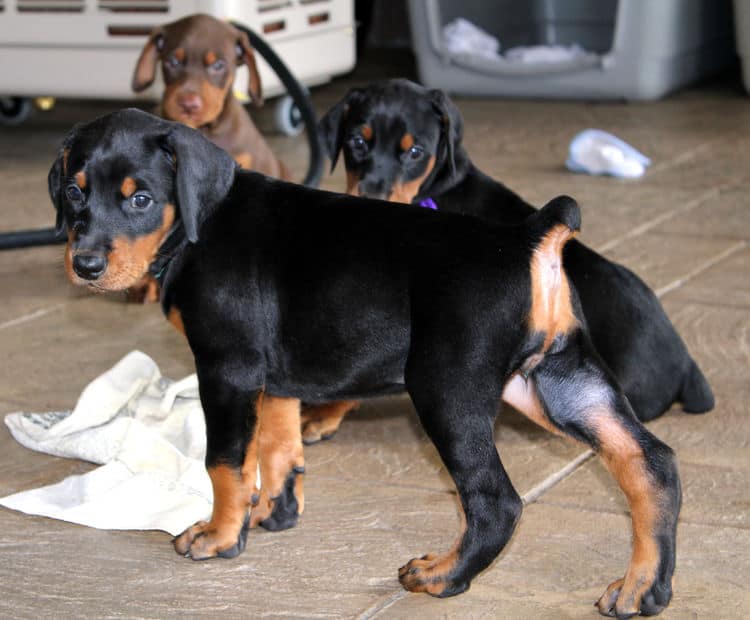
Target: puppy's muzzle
<point>90,265</point>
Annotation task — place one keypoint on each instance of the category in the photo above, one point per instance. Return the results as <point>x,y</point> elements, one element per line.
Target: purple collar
<point>428,203</point>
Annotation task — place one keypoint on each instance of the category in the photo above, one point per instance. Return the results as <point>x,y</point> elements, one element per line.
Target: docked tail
<point>550,228</point>
<point>562,211</point>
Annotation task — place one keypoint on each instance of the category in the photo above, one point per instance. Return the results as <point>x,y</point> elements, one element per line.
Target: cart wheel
<point>288,117</point>
<point>14,110</point>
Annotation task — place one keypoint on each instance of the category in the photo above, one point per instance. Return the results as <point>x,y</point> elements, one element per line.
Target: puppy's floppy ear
<point>246,56</point>
<point>57,174</point>
<point>331,126</point>
<point>203,175</point>
<point>145,68</point>
<point>452,124</point>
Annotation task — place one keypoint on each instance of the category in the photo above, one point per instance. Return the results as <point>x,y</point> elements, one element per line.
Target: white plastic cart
<point>88,48</point>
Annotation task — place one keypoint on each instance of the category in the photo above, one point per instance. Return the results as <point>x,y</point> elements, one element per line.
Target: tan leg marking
<point>624,458</point>
<point>279,452</point>
<point>430,573</point>
<point>231,492</point>
<point>322,421</point>
<point>233,489</point>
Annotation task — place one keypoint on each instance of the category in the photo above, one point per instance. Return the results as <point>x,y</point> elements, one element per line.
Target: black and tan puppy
<point>402,142</point>
<point>492,318</point>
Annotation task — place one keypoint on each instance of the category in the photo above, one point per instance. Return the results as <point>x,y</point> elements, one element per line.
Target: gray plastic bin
<point>742,35</point>
<point>637,49</point>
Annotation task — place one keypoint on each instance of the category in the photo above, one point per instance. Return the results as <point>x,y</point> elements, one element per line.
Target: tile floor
<point>377,494</point>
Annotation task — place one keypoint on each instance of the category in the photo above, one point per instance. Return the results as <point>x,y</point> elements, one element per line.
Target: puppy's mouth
<point>101,272</point>
<point>376,195</point>
<point>191,119</point>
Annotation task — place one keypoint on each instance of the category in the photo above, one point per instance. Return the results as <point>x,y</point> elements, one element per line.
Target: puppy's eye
<point>141,200</point>
<point>218,66</point>
<point>74,193</point>
<point>173,62</point>
<point>415,152</point>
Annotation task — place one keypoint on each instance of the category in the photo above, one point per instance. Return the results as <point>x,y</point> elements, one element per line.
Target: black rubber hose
<point>48,236</point>
<point>301,99</point>
<point>30,238</point>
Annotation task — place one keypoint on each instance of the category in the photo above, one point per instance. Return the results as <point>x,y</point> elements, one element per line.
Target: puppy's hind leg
<point>570,392</point>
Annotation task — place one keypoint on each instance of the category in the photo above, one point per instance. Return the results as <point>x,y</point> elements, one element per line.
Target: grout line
<point>374,610</point>
<point>31,316</point>
<point>550,481</point>
<point>701,268</point>
<point>639,230</point>
<point>685,157</point>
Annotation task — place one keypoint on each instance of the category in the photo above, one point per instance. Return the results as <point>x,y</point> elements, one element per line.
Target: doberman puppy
<point>494,317</point>
<point>199,55</point>
<point>403,142</point>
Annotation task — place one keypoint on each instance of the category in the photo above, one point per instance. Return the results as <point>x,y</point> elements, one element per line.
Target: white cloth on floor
<point>149,435</point>
<point>597,152</point>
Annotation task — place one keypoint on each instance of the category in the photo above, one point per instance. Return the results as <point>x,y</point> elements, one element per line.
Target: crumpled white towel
<point>463,37</point>
<point>149,435</point>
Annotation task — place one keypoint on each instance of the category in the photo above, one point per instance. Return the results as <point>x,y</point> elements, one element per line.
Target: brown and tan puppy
<point>199,56</point>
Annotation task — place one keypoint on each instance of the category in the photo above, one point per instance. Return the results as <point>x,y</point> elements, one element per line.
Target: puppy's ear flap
<point>55,178</point>
<point>145,68</point>
<point>331,127</point>
<point>452,124</point>
<point>246,56</point>
<point>203,175</point>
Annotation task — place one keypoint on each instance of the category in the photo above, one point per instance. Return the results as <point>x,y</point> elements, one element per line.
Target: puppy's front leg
<point>281,499</point>
<point>231,460</point>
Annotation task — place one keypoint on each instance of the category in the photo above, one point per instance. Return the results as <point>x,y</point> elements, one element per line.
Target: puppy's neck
<point>445,177</point>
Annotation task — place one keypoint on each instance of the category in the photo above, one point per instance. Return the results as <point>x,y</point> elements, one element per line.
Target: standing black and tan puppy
<point>402,142</point>
<point>493,318</point>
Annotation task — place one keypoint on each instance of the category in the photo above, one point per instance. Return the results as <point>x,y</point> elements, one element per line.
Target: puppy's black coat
<point>627,324</point>
<point>264,274</point>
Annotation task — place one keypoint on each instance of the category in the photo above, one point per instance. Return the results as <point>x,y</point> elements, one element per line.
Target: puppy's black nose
<point>89,266</point>
<point>373,188</point>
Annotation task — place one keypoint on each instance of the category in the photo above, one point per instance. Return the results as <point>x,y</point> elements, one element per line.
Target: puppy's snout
<point>89,266</point>
<point>190,103</point>
<point>373,188</point>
